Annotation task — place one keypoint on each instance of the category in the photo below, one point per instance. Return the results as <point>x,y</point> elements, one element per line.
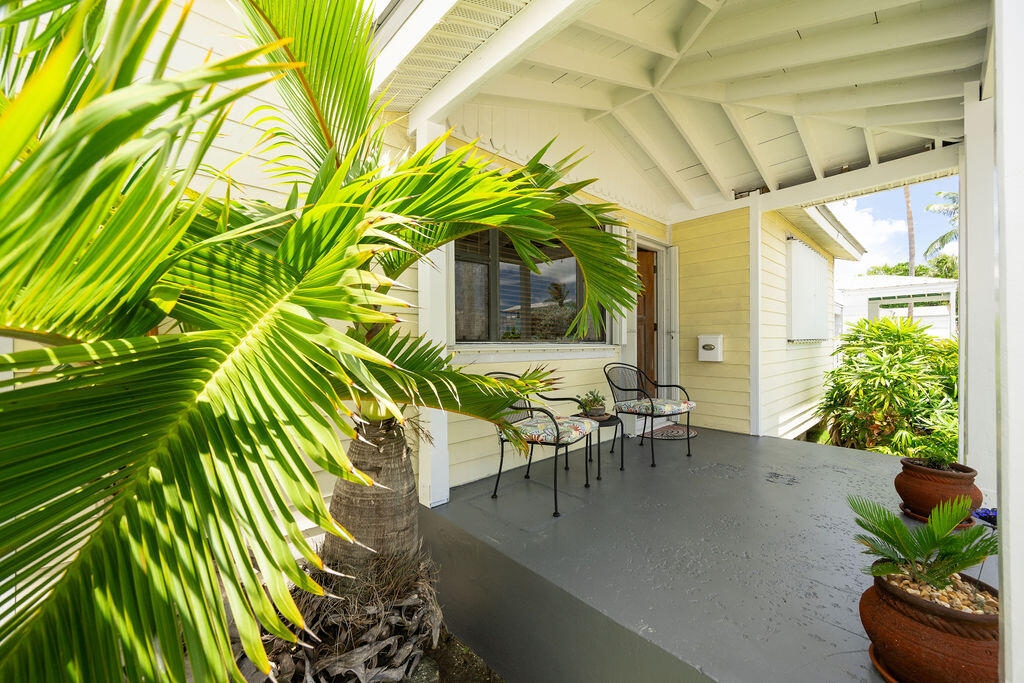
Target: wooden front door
<point>646,315</point>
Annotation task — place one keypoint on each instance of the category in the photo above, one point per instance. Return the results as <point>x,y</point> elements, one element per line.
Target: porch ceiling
<point>709,99</point>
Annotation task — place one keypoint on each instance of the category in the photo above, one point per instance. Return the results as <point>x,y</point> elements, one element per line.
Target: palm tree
<point>950,208</point>
<point>557,293</point>
<point>151,482</point>
<point>384,518</point>
<point>911,268</point>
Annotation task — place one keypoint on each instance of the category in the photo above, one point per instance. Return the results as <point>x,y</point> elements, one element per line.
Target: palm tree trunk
<point>381,517</point>
<point>913,249</point>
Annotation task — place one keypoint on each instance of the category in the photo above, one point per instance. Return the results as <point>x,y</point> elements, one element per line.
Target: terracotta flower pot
<point>915,640</point>
<point>922,487</point>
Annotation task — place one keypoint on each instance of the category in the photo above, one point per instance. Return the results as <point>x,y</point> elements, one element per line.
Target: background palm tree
<point>912,248</point>
<point>950,208</point>
<point>150,483</point>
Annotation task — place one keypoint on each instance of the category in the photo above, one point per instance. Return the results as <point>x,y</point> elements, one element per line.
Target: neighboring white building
<point>887,296</point>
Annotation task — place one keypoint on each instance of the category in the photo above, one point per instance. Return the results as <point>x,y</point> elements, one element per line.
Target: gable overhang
<point>821,225</point>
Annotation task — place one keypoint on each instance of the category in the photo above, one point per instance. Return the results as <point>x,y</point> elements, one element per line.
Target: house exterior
<point>721,127</point>
<point>879,296</point>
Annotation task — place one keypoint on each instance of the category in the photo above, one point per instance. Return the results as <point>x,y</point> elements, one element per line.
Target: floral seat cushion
<point>541,430</point>
<point>662,406</point>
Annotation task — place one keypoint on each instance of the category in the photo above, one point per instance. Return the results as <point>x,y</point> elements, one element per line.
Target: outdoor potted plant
<point>926,620</point>
<point>931,473</point>
<point>593,401</point>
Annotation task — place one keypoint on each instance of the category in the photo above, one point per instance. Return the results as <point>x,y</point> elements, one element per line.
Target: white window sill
<point>504,352</point>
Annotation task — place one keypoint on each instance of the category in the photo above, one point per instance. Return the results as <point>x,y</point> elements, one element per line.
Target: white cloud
<point>875,234</point>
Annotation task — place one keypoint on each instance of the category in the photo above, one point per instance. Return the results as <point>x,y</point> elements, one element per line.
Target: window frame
<point>493,263</point>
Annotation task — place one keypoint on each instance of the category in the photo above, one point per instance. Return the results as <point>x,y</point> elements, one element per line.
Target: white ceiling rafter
<point>687,122</point>
<point>904,114</point>
<point>694,24</point>
<point>616,71</point>
<point>747,27</point>
<point>869,143</point>
<point>842,43</point>
<point>623,98</point>
<point>532,89</point>
<point>921,60</point>
<point>605,125</point>
<point>810,146</point>
<point>906,91</point>
<point>656,151</point>
<point>746,136</point>
<point>608,19</point>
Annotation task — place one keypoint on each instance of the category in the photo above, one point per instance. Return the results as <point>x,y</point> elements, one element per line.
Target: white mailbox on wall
<point>709,347</point>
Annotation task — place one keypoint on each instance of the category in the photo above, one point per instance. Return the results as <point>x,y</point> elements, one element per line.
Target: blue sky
<point>879,222</point>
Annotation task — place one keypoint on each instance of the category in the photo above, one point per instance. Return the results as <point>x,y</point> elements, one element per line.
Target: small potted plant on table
<point>593,401</point>
<point>931,473</point>
<point>926,620</point>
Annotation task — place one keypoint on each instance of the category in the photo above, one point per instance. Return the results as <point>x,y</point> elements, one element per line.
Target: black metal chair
<point>541,427</point>
<point>634,393</point>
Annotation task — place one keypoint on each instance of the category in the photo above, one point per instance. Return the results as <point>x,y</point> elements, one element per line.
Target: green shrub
<point>894,391</point>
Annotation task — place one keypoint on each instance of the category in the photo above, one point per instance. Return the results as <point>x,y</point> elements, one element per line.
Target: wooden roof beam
<point>686,120</point>
<point>906,91</point>
<point>693,25</point>
<point>656,151</point>
<point>883,67</point>
<point>743,132</point>
<point>810,146</point>
<point>608,19</point>
<point>845,43</point>
<point>573,60</point>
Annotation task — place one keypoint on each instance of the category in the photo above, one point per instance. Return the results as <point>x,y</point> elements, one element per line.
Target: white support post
<point>978,290</point>
<point>435,313</point>
<point>1009,95</point>
<point>755,315</point>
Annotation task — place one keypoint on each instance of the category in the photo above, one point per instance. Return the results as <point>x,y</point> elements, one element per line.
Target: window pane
<point>471,294</point>
<point>536,307</point>
<point>527,306</point>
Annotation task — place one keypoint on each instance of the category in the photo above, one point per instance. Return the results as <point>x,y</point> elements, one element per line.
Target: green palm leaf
<point>329,100</point>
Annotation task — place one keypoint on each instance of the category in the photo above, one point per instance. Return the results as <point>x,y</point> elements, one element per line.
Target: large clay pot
<point>914,640</point>
<point>922,487</point>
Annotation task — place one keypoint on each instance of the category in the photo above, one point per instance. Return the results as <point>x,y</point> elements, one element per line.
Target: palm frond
<point>107,169</point>
<point>424,376</point>
<point>329,100</point>
<point>421,187</point>
<point>935,248</point>
<point>931,553</point>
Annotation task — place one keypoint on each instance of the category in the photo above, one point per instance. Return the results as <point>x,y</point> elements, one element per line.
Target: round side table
<point>603,422</point>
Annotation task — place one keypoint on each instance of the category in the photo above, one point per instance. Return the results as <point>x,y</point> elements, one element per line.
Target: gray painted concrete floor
<point>739,560</point>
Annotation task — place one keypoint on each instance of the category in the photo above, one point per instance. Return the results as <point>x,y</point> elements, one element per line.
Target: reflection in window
<point>497,298</point>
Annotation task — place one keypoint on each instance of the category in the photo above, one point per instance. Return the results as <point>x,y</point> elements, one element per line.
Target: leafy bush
<point>931,553</point>
<point>894,391</point>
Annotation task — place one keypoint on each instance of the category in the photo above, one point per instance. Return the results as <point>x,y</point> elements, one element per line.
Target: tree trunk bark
<point>913,249</point>
<point>385,519</point>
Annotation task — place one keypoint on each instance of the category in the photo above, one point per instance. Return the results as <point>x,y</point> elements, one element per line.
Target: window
<point>807,292</point>
<point>498,299</point>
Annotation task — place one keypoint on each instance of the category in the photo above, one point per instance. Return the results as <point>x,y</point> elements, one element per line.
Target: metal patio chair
<point>541,427</point>
<point>634,393</point>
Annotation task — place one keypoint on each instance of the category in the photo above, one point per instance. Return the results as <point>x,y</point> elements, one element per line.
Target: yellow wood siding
<point>792,375</point>
<point>714,297</point>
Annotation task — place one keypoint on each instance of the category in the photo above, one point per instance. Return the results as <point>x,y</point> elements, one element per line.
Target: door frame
<point>666,337</point>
